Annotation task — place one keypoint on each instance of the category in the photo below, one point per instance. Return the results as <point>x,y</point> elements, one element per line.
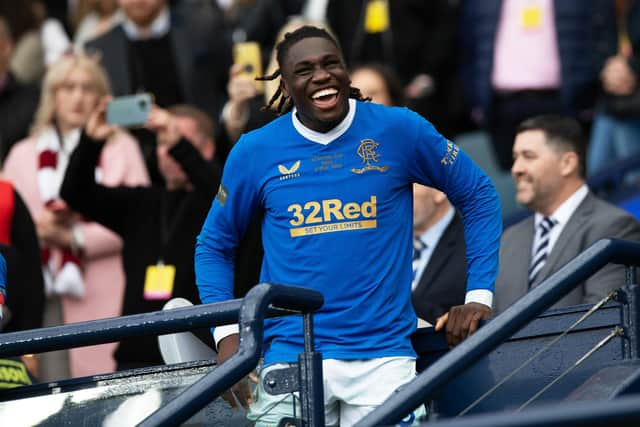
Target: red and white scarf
<point>65,277</point>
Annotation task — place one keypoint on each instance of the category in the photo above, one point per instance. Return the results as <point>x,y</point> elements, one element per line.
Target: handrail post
<point>630,277</point>
<point>630,296</point>
<point>252,313</point>
<point>311,384</point>
<point>487,338</point>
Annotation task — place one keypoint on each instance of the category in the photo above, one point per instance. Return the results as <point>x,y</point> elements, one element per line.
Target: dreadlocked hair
<point>284,102</point>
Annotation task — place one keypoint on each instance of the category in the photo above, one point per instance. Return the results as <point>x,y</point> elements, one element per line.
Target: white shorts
<point>352,389</point>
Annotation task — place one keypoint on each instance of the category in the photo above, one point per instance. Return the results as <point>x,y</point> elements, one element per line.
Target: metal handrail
<point>153,323</point>
<point>115,329</point>
<point>620,412</point>
<point>213,384</point>
<point>491,335</point>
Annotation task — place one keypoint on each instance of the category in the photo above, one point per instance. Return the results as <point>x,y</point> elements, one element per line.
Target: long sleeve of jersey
<point>439,163</point>
<point>226,222</point>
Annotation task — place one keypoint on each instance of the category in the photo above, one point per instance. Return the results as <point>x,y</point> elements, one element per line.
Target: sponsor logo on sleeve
<point>222,195</point>
<point>451,154</point>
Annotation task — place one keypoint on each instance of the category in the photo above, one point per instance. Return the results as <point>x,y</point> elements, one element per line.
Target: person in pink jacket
<point>82,266</point>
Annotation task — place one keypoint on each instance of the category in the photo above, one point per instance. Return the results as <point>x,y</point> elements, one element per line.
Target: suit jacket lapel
<point>522,251</point>
<point>444,248</point>
<point>182,51</point>
<point>569,232</point>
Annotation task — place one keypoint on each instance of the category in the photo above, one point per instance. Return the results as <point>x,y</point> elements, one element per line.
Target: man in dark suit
<point>168,54</point>
<point>520,59</point>
<point>440,264</point>
<point>549,173</point>
<point>417,43</point>
<point>180,57</point>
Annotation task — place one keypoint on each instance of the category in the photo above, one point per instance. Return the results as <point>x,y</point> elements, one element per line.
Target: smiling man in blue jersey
<point>333,178</point>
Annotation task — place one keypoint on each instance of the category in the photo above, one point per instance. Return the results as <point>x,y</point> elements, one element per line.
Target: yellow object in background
<point>248,55</point>
<point>376,19</point>
<point>625,48</point>
<point>531,17</point>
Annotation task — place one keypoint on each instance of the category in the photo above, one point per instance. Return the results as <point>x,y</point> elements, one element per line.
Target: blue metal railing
<point>262,301</point>
<point>212,385</point>
<point>114,329</point>
<point>284,298</point>
<point>487,338</point>
<point>621,412</point>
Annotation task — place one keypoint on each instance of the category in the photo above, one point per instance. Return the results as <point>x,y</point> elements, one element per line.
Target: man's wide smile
<point>325,98</point>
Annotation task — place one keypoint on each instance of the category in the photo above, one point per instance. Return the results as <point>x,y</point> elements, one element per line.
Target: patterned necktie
<point>418,247</point>
<point>542,249</point>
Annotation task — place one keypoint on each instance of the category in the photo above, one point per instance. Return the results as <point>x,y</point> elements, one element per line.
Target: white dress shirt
<point>158,28</point>
<point>561,216</point>
<point>430,238</point>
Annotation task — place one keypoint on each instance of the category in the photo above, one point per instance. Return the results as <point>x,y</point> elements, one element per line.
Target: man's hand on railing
<point>240,393</point>
<point>461,321</point>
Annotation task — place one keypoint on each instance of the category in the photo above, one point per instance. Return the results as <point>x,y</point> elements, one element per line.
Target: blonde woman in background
<point>81,260</point>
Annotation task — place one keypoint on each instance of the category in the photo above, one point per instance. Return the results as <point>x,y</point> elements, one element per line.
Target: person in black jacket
<point>180,55</point>
<point>615,134</point>
<point>415,38</point>
<point>523,59</point>
<point>18,101</point>
<point>158,225</point>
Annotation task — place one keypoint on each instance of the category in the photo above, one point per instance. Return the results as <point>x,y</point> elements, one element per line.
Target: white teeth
<point>324,92</point>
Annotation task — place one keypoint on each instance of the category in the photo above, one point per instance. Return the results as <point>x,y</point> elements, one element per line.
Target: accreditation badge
<point>531,17</point>
<point>158,282</point>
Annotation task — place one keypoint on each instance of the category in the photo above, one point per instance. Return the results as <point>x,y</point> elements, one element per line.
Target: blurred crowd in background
<point>474,68</point>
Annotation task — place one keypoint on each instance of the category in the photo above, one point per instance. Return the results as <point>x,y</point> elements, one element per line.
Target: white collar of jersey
<point>327,137</point>
<point>158,28</point>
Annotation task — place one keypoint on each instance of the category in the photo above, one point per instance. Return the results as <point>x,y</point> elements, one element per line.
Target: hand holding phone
<point>240,88</point>
<point>97,127</point>
<point>130,110</point>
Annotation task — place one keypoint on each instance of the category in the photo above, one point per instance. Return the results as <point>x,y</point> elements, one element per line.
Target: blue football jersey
<point>337,217</point>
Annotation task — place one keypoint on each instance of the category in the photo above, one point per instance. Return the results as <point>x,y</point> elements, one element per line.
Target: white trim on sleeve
<point>224,331</point>
<point>481,296</point>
